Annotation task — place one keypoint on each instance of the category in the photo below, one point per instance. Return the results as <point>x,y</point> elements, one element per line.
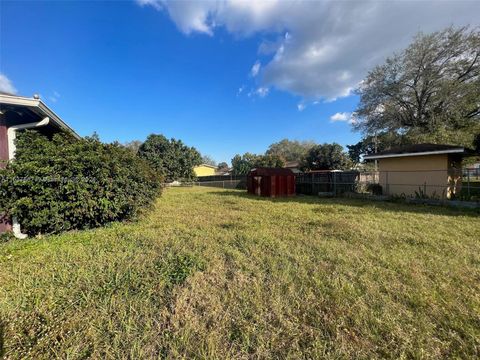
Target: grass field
<point>218,274</point>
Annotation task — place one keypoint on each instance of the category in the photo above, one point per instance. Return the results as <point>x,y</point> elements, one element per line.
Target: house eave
<point>438,152</point>
<point>37,104</point>
<point>207,165</point>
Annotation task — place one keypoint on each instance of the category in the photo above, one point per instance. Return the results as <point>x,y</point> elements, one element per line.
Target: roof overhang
<point>267,171</point>
<point>207,165</point>
<point>438,152</point>
<point>39,107</point>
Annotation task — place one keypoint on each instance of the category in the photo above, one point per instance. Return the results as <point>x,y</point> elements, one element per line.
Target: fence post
<point>334,183</point>
<point>468,183</point>
<point>387,185</point>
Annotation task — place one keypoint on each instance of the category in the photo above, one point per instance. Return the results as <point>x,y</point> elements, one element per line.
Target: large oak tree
<point>428,92</point>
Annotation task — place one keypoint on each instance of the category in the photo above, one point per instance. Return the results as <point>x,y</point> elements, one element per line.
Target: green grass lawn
<point>219,274</point>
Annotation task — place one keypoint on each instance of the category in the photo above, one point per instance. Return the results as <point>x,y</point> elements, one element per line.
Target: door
<point>257,185</point>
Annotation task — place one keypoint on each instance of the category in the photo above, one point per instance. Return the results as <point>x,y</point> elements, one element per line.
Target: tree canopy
<point>430,92</point>
<point>222,166</point>
<point>133,145</point>
<point>172,158</point>
<point>290,150</point>
<point>433,83</point>
<point>326,157</point>
<point>381,141</point>
<point>242,164</point>
<point>206,159</point>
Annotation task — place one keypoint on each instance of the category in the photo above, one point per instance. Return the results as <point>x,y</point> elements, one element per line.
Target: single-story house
<point>433,170</point>
<point>18,113</point>
<point>224,172</point>
<point>205,170</point>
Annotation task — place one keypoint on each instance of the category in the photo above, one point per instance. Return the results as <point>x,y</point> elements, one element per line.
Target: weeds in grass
<point>175,268</point>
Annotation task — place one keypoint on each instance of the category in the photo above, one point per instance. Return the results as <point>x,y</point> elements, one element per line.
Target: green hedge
<point>61,183</point>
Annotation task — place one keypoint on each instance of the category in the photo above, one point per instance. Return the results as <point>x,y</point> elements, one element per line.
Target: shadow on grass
<point>397,206</point>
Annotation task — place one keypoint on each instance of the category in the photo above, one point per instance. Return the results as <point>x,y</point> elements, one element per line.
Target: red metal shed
<point>271,182</point>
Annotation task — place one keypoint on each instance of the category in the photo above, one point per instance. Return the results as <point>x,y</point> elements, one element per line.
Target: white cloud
<point>341,116</point>
<point>6,85</point>
<point>189,16</point>
<point>54,98</point>
<point>240,90</point>
<point>262,91</point>
<point>255,69</point>
<point>320,49</point>
<point>301,106</point>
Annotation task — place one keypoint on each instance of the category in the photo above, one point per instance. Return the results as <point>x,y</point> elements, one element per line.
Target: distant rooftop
<point>292,164</point>
<point>208,165</point>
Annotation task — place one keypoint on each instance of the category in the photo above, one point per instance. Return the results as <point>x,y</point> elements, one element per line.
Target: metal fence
<point>224,182</point>
<point>424,184</point>
<point>327,182</point>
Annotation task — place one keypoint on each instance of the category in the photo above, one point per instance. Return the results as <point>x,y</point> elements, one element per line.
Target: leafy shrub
<point>172,158</point>
<point>422,194</point>
<point>61,183</point>
<point>375,189</point>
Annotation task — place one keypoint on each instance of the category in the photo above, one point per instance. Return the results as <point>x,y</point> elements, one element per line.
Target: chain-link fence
<point>423,184</point>
<point>442,184</point>
<point>224,182</point>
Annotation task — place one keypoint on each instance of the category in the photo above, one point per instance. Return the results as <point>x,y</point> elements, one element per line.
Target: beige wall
<point>410,174</point>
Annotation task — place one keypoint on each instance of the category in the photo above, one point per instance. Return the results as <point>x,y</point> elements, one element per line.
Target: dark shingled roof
<point>264,171</point>
<point>418,149</point>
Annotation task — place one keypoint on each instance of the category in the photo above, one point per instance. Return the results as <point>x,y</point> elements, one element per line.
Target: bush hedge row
<point>60,183</point>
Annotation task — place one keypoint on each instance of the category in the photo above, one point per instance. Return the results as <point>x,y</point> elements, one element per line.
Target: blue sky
<point>128,69</point>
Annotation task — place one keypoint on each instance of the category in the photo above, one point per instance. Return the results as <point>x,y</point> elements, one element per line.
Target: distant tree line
<point>242,164</point>
<point>307,154</point>
<point>171,157</point>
